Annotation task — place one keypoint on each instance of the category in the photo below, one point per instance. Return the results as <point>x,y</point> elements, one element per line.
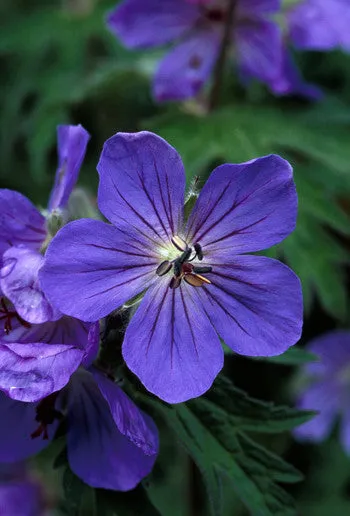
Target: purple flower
<point>19,494</point>
<point>198,281</point>
<point>328,390</point>
<point>111,443</point>
<point>37,360</point>
<point>320,24</point>
<point>24,231</point>
<point>197,27</point>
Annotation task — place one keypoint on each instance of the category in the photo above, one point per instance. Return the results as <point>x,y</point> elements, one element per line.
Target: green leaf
<point>79,497</point>
<point>240,411</point>
<point>294,356</point>
<point>131,503</point>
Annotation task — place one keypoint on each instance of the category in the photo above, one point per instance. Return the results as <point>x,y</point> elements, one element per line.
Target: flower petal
<point>259,49</point>
<point>142,185</point>
<point>245,207</point>
<point>30,372</point>
<point>91,268</point>
<point>130,420</point>
<point>320,25</point>
<point>93,343</point>
<point>177,355</point>
<point>20,222</point>
<point>253,8</point>
<point>20,283</point>
<point>15,436</point>
<point>20,498</point>
<point>323,397</point>
<point>141,25</point>
<point>255,304</point>
<point>98,453</point>
<point>72,142</point>
<point>333,350</point>
<point>186,68</point>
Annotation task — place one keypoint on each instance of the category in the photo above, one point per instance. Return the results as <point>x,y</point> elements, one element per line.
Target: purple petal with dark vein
<point>20,283</point>
<point>333,350</point>
<point>71,142</point>
<point>142,185</point>
<point>66,330</point>
<point>98,453</point>
<point>91,268</point>
<point>259,49</point>
<point>20,498</point>
<point>185,69</point>
<point>30,372</point>
<point>142,25</point>
<point>253,8</point>
<point>20,222</point>
<point>320,24</point>
<point>15,436</point>
<point>254,303</point>
<point>129,419</point>
<point>93,342</point>
<point>178,354</point>
<point>245,207</point>
<point>323,397</point>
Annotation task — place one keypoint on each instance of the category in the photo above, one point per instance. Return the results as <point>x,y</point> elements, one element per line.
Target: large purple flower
<point>39,359</point>
<point>197,280</point>
<point>320,24</point>
<point>197,27</point>
<point>24,231</point>
<point>328,390</point>
<point>20,495</point>
<point>111,443</point>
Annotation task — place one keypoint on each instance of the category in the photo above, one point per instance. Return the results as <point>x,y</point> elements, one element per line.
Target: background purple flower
<point>252,302</point>
<point>329,388</point>
<point>24,230</point>
<point>111,443</point>
<point>19,494</point>
<point>197,28</point>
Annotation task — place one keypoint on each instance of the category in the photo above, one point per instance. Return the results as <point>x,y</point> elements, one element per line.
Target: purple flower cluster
<point>328,390</point>
<point>256,41</point>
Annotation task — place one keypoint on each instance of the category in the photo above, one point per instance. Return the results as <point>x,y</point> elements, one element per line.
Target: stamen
<point>196,280</point>
<point>202,270</point>
<point>163,268</point>
<point>175,282</point>
<point>46,414</point>
<point>199,252</point>
<point>179,243</point>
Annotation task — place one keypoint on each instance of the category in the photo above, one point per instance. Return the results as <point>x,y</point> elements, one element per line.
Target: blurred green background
<point>60,65</point>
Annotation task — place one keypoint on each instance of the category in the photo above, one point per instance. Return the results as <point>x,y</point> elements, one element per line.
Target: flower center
<point>7,315</point>
<point>182,267</point>
<point>46,414</point>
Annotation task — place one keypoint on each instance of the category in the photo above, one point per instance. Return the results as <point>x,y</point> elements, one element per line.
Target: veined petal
<point>142,25</point>
<point>93,343</point>
<point>98,453</point>
<point>71,141</point>
<point>15,436</point>
<point>245,207</point>
<point>20,283</point>
<point>252,8</point>
<point>130,420</point>
<point>259,49</point>
<point>254,303</point>
<point>320,25</point>
<point>142,185</point>
<point>91,268</point>
<point>177,355</point>
<point>186,68</point>
<point>20,222</point>
<point>30,372</point>
<point>325,398</point>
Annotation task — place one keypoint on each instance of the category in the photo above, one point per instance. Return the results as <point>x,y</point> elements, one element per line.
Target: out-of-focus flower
<point>110,443</point>
<point>199,281</point>
<point>197,26</point>
<point>24,231</point>
<point>320,24</point>
<point>39,359</point>
<point>20,495</point>
<point>328,390</point>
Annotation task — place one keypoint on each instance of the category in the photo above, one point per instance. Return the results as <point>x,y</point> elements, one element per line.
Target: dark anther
<point>46,414</point>
<point>199,252</point>
<point>179,243</point>
<point>175,282</point>
<point>181,261</point>
<point>215,15</point>
<point>163,268</point>
<point>195,280</point>
<point>202,270</point>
